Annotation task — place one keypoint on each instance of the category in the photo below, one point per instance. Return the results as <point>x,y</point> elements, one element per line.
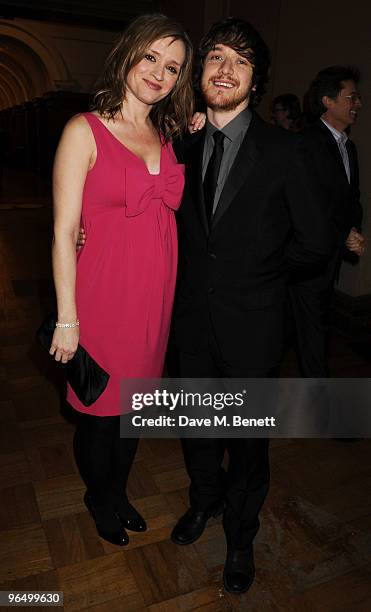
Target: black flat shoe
<point>118,537</point>
<point>131,519</point>
<point>239,571</point>
<point>192,524</point>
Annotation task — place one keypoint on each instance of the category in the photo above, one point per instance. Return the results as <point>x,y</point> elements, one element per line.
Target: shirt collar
<point>234,128</point>
<point>339,136</point>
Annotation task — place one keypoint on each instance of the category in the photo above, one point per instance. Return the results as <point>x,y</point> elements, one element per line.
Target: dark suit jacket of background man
<point>343,198</point>
<point>311,292</point>
<point>234,275</point>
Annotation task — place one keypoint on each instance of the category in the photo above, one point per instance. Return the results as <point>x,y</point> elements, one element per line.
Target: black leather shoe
<point>131,519</point>
<point>239,571</point>
<point>192,524</point>
<point>118,537</point>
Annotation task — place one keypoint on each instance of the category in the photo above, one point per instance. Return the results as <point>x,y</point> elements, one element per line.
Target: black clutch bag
<point>86,377</point>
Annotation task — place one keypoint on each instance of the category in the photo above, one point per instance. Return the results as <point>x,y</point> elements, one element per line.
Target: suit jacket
<point>342,197</point>
<point>233,275</point>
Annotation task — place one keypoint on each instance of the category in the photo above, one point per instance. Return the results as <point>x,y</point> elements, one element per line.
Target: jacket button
<point>212,255</point>
<point>211,289</point>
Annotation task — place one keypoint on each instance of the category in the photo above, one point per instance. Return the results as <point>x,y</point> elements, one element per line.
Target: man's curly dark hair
<point>242,37</point>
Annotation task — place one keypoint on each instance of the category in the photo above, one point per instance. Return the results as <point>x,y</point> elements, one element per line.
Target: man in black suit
<point>335,100</point>
<point>251,211</point>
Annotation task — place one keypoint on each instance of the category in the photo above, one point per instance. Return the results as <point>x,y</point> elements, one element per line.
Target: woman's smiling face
<point>154,77</point>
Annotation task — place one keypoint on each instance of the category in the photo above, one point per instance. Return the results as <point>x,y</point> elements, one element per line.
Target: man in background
<point>286,112</point>
<point>335,101</point>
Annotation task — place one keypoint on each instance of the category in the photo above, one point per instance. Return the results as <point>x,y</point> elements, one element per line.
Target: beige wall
<point>82,50</point>
<point>55,56</point>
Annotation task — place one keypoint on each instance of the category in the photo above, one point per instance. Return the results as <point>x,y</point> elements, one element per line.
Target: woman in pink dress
<point>116,173</point>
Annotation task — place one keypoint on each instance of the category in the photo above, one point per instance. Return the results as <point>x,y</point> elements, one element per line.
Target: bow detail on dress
<point>143,187</point>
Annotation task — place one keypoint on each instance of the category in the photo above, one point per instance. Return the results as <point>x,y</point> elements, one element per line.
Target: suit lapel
<point>352,161</point>
<point>195,181</point>
<point>334,149</point>
<point>240,172</point>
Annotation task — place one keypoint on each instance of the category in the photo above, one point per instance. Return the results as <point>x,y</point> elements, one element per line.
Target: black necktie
<point>212,173</point>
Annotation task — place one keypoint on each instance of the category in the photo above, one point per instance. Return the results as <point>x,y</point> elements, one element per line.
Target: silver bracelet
<point>69,325</point>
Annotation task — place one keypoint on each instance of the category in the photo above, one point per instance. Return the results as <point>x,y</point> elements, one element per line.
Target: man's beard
<point>217,103</point>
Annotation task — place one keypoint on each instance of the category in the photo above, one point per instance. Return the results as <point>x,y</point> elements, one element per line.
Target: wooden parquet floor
<point>313,551</point>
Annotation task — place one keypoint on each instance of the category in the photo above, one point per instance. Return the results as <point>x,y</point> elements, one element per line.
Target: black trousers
<point>103,458</point>
<point>245,484</point>
<point>310,300</point>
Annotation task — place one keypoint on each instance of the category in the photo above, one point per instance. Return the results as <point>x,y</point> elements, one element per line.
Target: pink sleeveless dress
<point>126,271</point>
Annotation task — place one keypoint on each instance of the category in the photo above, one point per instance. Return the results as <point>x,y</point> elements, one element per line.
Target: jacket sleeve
<point>313,234</point>
<point>179,149</point>
<point>182,146</point>
<point>356,212</point>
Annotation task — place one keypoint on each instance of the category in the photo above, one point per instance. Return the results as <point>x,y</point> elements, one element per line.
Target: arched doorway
<point>30,64</point>
<point>37,96</point>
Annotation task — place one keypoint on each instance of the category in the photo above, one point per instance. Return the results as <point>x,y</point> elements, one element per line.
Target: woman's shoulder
<point>79,123</point>
<point>78,130</point>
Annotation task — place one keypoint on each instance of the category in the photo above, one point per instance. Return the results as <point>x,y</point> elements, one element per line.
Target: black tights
<point>103,458</point>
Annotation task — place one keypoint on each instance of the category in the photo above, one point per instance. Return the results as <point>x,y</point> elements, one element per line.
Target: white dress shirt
<point>341,139</point>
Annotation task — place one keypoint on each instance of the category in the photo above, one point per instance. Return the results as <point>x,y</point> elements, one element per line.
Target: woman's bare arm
<point>74,157</point>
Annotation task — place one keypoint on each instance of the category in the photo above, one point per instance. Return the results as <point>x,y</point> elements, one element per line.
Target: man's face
<point>342,111</point>
<point>226,80</point>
